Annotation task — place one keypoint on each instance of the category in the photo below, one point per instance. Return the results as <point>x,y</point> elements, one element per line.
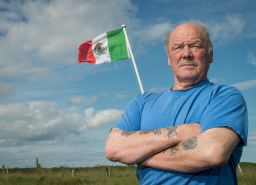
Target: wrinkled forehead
<point>186,32</point>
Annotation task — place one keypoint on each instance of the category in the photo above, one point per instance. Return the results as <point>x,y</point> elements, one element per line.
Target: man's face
<point>189,56</point>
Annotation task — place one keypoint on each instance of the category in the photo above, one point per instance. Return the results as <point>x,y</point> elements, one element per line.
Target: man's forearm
<point>177,158</point>
<point>209,149</point>
<point>131,147</point>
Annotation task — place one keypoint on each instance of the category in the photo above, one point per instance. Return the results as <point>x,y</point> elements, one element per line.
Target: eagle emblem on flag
<point>99,49</point>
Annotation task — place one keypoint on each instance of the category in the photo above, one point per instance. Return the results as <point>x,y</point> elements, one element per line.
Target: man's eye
<point>195,46</point>
<point>177,47</point>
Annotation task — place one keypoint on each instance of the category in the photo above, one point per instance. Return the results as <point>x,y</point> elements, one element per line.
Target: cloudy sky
<point>59,111</point>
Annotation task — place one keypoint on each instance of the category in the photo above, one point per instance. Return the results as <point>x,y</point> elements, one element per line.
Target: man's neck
<point>182,85</point>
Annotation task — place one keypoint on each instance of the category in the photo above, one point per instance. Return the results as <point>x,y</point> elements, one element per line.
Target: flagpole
<point>133,60</point>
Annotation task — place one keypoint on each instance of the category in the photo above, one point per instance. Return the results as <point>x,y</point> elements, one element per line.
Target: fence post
<point>3,167</point>
<point>108,171</point>
<point>38,166</point>
<point>73,172</point>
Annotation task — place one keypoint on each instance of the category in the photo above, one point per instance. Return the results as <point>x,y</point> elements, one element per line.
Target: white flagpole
<point>133,60</point>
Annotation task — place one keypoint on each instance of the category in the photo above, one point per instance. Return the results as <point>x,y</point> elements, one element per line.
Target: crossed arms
<point>176,148</point>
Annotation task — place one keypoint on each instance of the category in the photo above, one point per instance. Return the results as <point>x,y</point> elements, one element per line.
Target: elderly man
<point>192,133</point>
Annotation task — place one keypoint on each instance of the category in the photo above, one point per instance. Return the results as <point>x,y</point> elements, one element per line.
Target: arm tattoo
<point>156,132</point>
<point>127,133</point>
<point>174,150</point>
<point>145,132</point>
<point>190,143</point>
<point>171,132</point>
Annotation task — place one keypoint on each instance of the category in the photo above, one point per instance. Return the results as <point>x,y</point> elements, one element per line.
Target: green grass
<point>249,174</point>
<point>120,175</point>
<point>63,176</point>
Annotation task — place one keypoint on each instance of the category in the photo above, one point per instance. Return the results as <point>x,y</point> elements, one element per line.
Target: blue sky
<point>59,111</point>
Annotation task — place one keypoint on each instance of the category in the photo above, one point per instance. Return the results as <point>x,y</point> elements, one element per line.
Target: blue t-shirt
<point>206,103</point>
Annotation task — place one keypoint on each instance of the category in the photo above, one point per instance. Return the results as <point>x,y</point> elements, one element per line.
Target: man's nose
<point>187,53</point>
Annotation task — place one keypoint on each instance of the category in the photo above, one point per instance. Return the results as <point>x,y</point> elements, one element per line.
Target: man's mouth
<point>188,65</point>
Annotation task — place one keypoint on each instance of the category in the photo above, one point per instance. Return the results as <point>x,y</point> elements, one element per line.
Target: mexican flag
<point>107,47</point>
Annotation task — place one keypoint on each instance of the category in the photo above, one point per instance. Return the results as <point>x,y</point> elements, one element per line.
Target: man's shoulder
<point>222,89</point>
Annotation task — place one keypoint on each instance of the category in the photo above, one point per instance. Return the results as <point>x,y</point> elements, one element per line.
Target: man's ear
<point>169,61</point>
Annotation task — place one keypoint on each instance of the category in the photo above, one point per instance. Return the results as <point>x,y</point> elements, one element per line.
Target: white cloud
<point>245,85</point>
<point>122,96</point>
<point>154,32</point>
<point>49,31</point>
<point>157,89</point>
<point>36,121</point>
<point>6,89</point>
<point>230,27</point>
<point>83,100</point>
<point>46,120</point>
<point>41,34</point>
<point>252,58</point>
<point>95,118</point>
<point>215,80</point>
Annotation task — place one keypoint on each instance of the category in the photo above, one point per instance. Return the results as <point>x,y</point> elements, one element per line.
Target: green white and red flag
<point>107,47</point>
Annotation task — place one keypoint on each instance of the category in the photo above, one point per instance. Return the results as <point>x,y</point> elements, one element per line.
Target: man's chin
<point>189,78</point>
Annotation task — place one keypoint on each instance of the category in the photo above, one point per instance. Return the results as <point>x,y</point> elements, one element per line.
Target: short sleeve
<point>227,108</point>
<point>131,118</point>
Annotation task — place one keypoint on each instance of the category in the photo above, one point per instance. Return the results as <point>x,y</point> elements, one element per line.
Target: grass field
<point>120,175</point>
